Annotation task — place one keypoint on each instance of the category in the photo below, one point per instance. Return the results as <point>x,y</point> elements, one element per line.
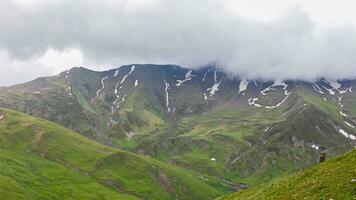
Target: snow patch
<point>317,88</point>
<point>346,90</point>
<point>343,114</point>
<point>243,86</point>
<point>315,146</point>
<point>116,73</point>
<point>70,90</point>
<point>188,76</point>
<point>335,85</point>
<point>205,96</point>
<point>275,84</point>
<point>206,73</point>
<point>252,102</point>
<point>167,87</point>
<point>102,86</point>
<point>347,135</point>
<point>349,124</point>
<point>331,91</point>
<point>128,74</point>
<point>267,129</point>
<point>118,86</point>
<point>214,88</point>
<point>136,83</point>
<point>216,85</point>
<point>255,82</point>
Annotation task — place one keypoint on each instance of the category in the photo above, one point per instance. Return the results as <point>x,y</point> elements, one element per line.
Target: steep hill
<point>42,160</point>
<point>334,179</point>
<point>236,130</point>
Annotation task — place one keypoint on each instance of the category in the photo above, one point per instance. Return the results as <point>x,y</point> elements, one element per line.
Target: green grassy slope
<point>42,160</point>
<point>224,135</point>
<point>334,179</point>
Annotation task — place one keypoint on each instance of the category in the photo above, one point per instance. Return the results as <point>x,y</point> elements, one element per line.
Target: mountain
<point>42,160</point>
<point>334,179</point>
<point>241,132</point>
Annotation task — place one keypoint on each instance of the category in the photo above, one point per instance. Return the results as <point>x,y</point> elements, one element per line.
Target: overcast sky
<point>294,39</point>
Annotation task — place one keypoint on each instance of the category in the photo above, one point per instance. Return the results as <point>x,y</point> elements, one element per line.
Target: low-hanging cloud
<point>189,33</point>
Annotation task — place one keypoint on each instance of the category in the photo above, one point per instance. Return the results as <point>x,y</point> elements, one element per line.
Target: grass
<point>42,160</point>
<point>329,180</point>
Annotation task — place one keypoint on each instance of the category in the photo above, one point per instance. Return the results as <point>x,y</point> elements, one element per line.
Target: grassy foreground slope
<point>42,160</point>
<point>334,179</point>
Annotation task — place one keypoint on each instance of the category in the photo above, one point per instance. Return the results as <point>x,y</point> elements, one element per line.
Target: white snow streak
<point>102,86</point>
<point>117,87</point>
<point>116,73</point>
<point>346,90</point>
<point>167,87</point>
<point>350,125</point>
<point>344,133</point>
<point>214,88</point>
<point>317,88</point>
<point>272,87</point>
<point>267,129</point>
<point>335,85</point>
<point>243,86</point>
<point>188,77</point>
<point>331,91</point>
<point>251,102</point>
<point>206,73</point>
<point>136,83</point>
<point>343,114</point>
<point>216,85</point>
<point>275,83</point>
<point>124,78</point>
<point>205,96</point>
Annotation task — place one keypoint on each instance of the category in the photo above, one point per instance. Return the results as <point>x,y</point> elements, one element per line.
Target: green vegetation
<point>334,179</point>
<point>220,137</point>
<point>42,160</point>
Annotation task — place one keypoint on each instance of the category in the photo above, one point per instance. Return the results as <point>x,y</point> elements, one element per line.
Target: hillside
<point>241,132</point>
<point>334,179</point>
<point>42,160</point>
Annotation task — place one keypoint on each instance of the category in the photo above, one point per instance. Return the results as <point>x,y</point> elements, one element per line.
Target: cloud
<point>189,33</point>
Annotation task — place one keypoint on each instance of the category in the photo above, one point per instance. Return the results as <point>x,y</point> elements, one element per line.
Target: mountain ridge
<point>204,120</point>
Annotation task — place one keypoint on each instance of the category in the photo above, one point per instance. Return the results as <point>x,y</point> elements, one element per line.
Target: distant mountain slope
<point>236,130</point>
<point>334,179</point>
<point>42,160</point>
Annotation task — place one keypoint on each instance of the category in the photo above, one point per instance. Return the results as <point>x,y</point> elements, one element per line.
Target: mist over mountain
<point>190,33</point>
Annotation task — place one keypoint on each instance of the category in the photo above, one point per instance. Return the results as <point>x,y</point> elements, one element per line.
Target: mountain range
<point>230,132</point>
